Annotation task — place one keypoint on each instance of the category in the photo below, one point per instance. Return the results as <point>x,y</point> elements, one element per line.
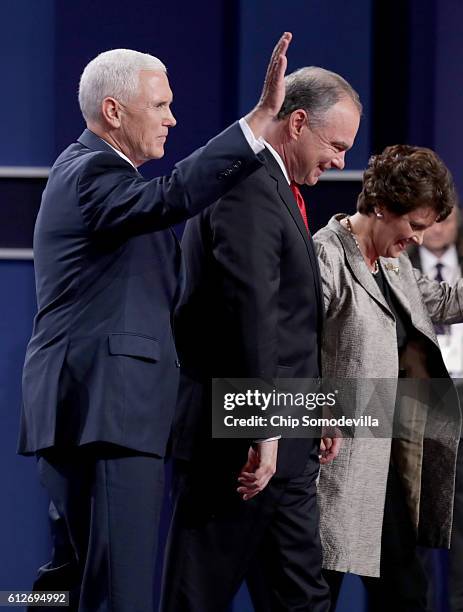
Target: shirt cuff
<point>266,439</point>
<point>256,144</point>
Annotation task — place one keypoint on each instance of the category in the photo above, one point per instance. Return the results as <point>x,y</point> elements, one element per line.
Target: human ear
<point>297,121</point>
<point>110,109</point>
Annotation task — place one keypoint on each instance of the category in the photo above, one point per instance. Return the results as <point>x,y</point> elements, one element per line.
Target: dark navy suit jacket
<point>252,308</point>
<point>101,364</point>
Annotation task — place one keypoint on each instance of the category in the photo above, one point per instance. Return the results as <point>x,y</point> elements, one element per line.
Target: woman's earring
<point>379,215</point>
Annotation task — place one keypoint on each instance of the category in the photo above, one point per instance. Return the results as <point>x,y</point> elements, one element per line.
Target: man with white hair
<point>101,370</point>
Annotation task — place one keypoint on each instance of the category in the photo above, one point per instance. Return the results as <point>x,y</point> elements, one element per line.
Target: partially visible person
<point>441,257</point>
<point>101,371</point>
<point>381,497</point>
<point>253,309</point>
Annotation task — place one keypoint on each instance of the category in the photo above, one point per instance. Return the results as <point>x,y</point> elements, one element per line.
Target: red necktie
<point>300,203</point>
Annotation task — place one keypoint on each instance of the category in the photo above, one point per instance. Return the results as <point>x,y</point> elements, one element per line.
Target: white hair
<point>113,73</point>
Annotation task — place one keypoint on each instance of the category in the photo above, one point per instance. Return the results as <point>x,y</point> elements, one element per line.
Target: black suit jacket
<point>101,364</point>
<point>252,307</point>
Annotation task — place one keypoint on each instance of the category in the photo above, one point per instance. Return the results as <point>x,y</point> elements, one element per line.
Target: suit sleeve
<point>247,241</point>
<point>327,274</point>
<point>443,302</point>
<point>113,197</point>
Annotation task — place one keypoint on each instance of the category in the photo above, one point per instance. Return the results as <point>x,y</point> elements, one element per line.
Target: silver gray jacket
<point>359,341</point>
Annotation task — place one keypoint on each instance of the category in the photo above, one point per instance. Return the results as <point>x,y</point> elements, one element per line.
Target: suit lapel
<point>392,273</point>
<point>286,195</point>
<point>391,269</point>
<point>356,262</point>
<point>288,199</point>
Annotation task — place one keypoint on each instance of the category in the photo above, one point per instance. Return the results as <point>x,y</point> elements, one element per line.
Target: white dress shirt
<point>119,153</point>
<point>280,162</point>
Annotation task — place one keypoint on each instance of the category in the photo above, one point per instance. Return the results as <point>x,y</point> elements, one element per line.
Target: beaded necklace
<point>351,232</point>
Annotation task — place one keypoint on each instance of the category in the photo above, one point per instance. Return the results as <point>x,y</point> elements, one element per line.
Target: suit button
<point>177,363</point>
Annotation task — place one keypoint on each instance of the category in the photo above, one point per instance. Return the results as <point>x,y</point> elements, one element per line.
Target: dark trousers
<point>104,512</point>
<point>402,586</point>
<point>456,544</point>
<point>215,536</point>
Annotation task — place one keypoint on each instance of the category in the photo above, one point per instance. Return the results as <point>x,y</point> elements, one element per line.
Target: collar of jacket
<point>395,279</point>
<point>393,268</point>
<point>90,140</point>
<point>285,192</point>
<point>288,199</point>
<point>389,266</point>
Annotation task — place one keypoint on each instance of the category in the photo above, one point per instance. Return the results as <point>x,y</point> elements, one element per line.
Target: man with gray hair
<point>101,370</point>
<point>252,308</point>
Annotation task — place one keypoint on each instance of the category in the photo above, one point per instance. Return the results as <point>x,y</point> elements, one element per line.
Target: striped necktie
<point>439,328</point>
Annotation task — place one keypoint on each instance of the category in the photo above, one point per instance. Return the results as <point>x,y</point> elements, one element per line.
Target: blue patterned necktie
<point>439,328</point>
<point>439,276</point>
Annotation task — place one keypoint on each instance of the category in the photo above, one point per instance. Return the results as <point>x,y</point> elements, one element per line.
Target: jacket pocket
<point>132,345</point>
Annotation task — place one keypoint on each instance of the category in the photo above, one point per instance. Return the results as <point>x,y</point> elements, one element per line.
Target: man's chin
<point>314,176</point>
<point>157,153</point>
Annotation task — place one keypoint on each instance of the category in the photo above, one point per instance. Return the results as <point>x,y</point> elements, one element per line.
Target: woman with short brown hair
<point>380,497</point>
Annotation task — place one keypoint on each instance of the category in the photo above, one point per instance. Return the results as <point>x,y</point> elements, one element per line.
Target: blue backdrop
<point>216,52</point>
